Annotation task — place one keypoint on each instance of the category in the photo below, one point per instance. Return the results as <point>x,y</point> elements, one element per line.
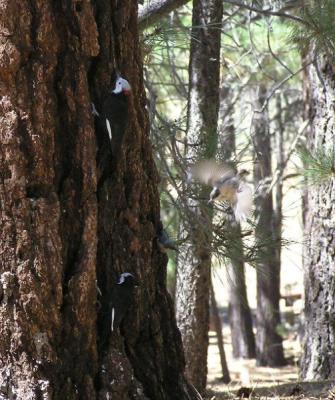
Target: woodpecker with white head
<point>114,115</point>
<point>229,186</point>
<point>122,298</point>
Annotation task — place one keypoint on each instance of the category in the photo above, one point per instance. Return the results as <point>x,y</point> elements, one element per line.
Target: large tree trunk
<point>269,347</point>
<point>66,224</point>
<point>194,260</point>
<point>318,360</point>
<point>240,319</point>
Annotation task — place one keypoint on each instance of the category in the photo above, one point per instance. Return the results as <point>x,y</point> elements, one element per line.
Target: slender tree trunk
<point>318,361</point>
<point>280,155</point>
<point>269,347</point>
<point>219,336</point>
<point>194,259</point>
<point>69,223</point>
<point>240,319</point>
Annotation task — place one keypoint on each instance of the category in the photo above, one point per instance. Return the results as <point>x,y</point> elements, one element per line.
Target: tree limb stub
<point>153,12</point>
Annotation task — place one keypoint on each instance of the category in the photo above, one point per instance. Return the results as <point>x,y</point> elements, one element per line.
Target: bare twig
<point>279,85</point>
<point>280,170</point>
<point>267,11</point>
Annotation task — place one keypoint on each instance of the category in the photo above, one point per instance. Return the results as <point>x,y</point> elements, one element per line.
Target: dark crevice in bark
<point>38,190</point>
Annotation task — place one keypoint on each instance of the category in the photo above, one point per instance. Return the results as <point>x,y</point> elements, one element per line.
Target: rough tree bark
<point>68,219</point>
<point>318,361</point>
<point>269,347</point>
<point>194,259</point>
<point>240,319</point>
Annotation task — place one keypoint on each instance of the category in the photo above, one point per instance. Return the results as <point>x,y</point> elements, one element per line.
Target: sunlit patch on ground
<point>245,372</point>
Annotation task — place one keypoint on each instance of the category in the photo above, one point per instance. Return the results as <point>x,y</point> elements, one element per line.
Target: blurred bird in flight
<point>229,186</point>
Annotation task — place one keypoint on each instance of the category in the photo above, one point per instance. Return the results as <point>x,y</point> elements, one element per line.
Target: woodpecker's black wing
<point>243,206</point>
<point>122,299</point>
<point>115,117</point>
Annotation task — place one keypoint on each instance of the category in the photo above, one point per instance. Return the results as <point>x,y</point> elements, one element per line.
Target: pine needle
<point>318,166</point>
<point>318,30</point>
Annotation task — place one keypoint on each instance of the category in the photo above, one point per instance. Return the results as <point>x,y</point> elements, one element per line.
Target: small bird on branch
<point>164,240</point>
<point>229,186</point>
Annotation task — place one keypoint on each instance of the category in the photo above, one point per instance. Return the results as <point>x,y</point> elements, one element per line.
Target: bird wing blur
<point>243,204</point>
<point>228,186</point>
<point>210,172</point>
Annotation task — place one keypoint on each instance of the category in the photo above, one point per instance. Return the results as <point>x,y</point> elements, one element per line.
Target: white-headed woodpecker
<point>122,298</point>
<point>114,114</point>
<point>115,111</point>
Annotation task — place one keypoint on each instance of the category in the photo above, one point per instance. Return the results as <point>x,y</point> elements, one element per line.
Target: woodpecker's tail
<point>243,204</point>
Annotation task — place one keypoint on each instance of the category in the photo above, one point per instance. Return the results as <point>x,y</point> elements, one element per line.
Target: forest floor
<point>262,382</point>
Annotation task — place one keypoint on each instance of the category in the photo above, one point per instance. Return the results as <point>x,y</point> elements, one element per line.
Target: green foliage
<point>318,165</point>
<point>318,29</point>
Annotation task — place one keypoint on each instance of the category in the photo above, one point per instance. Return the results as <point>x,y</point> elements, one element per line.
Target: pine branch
<point>278,174</point>
<point>318,32</point>
<point>155,10</point>
<point>318,165</point>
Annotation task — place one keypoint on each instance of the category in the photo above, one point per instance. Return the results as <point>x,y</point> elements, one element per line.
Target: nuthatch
<point>228,185</point>
<point>164,241</point>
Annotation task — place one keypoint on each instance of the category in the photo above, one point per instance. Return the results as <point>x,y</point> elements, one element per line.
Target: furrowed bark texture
<point>71,215</point>
<point>240,318</point>
<point>194,259</point>
<point>318,360</point>
<point>269,347</point>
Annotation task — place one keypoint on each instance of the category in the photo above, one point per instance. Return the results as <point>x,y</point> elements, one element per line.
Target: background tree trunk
<point>66,223</point>
<point>240,319</point>
<point>318,361</point>
<point>194,259</point>
<point>269,347</point>
<point>219,337</point>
